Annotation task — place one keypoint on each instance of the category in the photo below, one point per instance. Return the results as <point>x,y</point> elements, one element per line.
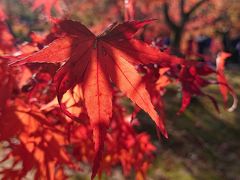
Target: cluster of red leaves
<point>38,139</point>
<point>94,62</point>
<point>121,145</point>
<point>94,128</point>
<point>37,135</point>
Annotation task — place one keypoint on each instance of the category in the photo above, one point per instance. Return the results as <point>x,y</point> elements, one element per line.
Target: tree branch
<point>195,7</point>
<point>182,5</point>
<point>168,20</point>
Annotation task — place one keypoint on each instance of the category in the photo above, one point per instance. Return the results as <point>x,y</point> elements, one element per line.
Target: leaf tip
<point>235,103</point>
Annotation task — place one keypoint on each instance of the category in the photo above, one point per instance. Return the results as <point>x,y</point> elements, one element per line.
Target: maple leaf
<point>39,146</point>
<point>97,62</point>
<point>192,82</point>
<point>225,89</point>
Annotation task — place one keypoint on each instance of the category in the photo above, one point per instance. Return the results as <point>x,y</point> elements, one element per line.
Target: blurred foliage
<point>202,144</point>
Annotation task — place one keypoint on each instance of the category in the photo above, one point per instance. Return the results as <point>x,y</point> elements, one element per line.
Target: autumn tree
<point>71,98</point>
<point>185,10</point>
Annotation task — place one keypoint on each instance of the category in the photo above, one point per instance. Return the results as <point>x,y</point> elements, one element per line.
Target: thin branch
<point>182,5</point>
<point>195,7</point>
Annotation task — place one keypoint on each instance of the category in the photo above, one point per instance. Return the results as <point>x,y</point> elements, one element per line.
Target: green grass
<point>203,144</point>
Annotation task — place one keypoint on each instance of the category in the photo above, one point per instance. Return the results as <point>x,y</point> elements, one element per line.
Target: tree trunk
<point>177,37</point>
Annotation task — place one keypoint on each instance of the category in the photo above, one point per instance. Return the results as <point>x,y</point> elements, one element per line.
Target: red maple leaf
<point>224,87</point>
<point>38,146</point>
<point>97,62</point>
<point>193,82</point>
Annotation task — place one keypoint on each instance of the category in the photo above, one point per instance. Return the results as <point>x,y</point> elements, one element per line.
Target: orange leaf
<point>96,62</point>
<point>225,89</point>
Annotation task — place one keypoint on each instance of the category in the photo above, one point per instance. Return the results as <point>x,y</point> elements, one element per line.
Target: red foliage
<point>91,75</point>
<point>6,39</point>
<point>93,61</point>
<point>34,144</point>
<point>2,13</point>
<point>225,89</point>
